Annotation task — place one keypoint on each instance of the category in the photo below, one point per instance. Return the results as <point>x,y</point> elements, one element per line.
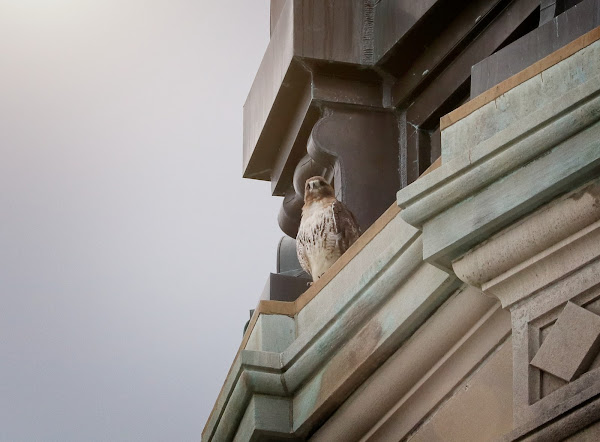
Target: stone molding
<point>511,156</point>
<point>341,336</point>
<point>532,254</point>
<point>514,210</point>
<point>417,379</point>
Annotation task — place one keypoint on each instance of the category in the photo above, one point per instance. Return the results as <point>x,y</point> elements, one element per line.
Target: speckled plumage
<point>327,228</point>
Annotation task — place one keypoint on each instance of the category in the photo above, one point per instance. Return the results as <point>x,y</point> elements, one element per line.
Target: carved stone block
<point>572,344</point>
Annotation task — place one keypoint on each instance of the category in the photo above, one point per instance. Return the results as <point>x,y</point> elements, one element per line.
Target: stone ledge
<point>508,84</point>
<point>405,389</point>
<point>495,157</point>
<point>273,361</point>
<point>530,255</point>
<point>531,236</point>
<point>563,420</point>
<point>510,165</point>
<point>364,314</point>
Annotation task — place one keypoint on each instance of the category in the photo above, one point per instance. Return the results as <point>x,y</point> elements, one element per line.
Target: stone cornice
<point>366,314</point>
<point>564,218</point>
<point>507,150</point>
<point>510,156</point>
<point>528,256</point>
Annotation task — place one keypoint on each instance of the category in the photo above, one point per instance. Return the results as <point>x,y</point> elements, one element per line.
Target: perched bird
<point>327,228</point>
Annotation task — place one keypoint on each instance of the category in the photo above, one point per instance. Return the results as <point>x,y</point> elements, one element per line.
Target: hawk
<point>327,228</point>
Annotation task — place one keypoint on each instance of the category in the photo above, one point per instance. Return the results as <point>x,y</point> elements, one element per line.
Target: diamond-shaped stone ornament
<point>571,345</point>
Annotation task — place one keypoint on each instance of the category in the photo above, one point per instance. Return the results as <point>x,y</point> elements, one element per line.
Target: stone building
<point>465,136</point>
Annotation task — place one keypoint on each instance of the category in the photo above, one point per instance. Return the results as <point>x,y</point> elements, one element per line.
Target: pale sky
<point>130,247</point>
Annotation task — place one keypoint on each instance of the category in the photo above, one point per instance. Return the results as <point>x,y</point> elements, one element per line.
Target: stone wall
<point>515,211</point>
<point>471,314</point>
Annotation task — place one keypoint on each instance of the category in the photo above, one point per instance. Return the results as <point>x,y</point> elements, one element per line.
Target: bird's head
<point>317,187</point>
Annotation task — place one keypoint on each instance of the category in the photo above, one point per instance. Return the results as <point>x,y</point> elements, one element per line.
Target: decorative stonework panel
<point>556,339</point>
<point>546,271</point>
<point>572,344</point>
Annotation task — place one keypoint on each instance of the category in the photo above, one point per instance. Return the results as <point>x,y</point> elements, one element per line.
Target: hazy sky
<point>130,247</point>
